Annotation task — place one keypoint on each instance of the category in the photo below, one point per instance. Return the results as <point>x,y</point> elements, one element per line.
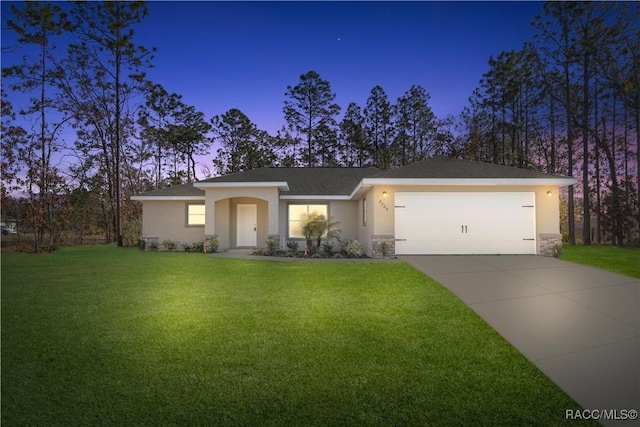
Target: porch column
<point>210,215</point>
<point>274,212</point>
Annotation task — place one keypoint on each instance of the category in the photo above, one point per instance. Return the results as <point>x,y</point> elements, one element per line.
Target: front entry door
<point>247,225</point>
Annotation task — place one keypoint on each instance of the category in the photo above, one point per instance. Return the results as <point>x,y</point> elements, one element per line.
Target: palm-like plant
<point>315,226</point>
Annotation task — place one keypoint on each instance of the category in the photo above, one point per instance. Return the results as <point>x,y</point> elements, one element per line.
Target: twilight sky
<point>223,55</point>
<point>245,54</point>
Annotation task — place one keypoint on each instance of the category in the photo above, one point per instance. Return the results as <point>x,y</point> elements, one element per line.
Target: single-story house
<point>435,206</point>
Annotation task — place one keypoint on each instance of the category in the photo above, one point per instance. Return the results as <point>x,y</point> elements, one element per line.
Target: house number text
<point>384,205</point>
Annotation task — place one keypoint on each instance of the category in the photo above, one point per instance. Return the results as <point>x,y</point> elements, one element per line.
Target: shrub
<point>292,246</point>
<point>384,248</point>
<point>327,247</point>
<point>314,227</point>
<point>272,247</point>
<point>214,243</point>
<point>193,247</point>
<point>198,246</point>
<point>170,245</point>
<point>351,247</point>
<point>557,250</point>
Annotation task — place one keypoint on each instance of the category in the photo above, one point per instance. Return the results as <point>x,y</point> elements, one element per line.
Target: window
<point>295,217</point>
<point>364,212</point>
<point>195,214</point>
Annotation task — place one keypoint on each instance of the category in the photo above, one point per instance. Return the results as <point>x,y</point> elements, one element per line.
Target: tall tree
<point>242,145</point>
<point>188,135</point>
<point>12,137</point>
<point>356,151</point>
<point>103,72</point>
<point>378,118</point>
<point>310,110</point>
<point>415,126</point>
<point>38,24</point>
<point>160,106</point>
<point>557,45</point>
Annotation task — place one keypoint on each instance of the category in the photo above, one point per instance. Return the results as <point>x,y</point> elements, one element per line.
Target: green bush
<point>214,243</point>
<point>292,246</point>
<point>327,247</point>
<point>272,247</point>
<point>384,248</point>
<point>198,246</point>
<point>170,245</point>
<point>193,247</point>
<point>351,247</point>
<point>314,227</point>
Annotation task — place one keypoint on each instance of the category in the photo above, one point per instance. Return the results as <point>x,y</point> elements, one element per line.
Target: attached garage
<point>465,223</point>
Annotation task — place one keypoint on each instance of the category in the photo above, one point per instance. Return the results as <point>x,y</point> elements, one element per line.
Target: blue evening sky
<point>223,55</point>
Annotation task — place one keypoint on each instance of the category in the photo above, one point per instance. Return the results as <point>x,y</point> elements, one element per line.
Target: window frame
<point>189,215</point>
<point>289,235</point>
<point>364,212</point>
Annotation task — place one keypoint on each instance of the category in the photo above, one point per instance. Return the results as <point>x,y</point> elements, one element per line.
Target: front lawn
<point>612,258</point>
<point>108,336</point>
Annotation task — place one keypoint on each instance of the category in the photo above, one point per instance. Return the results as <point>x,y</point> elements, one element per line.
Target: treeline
<point>566,103</point>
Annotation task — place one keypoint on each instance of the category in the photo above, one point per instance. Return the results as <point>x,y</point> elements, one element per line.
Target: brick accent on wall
<point>547,243</point>
<point>376,245</point>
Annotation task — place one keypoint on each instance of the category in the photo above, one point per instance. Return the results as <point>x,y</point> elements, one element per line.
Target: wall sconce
<point>549,193</point>
<point>384,194</point>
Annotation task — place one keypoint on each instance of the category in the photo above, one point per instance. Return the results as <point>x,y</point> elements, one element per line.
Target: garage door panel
<point>465,223</point>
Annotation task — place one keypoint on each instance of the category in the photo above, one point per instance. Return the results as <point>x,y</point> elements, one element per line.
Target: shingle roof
<point>184,190</point>
<point>305,181</point>
<point>342,181</point>
<point>444,167</point>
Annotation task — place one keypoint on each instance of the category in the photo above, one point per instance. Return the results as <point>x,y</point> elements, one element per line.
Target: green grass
<point>612,258</point>
<point>107,336</point>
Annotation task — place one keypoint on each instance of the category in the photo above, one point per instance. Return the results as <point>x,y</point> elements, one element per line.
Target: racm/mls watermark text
<point>601,414</point>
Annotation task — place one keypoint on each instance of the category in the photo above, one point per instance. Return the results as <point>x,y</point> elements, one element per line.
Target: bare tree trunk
<point>586,217</point>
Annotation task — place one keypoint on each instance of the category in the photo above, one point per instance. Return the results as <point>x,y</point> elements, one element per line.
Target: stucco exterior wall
<point>346,212</point>
<point>547,208</point>
<point>365,231</point>
<point>168,220</point>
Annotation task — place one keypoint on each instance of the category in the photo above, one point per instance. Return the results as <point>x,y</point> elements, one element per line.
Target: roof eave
<point>559,181</point>
<point>282,185</point>
<point>174,198</point>
<point>316,197</point>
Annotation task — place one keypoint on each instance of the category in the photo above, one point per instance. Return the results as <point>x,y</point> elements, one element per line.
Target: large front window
<point>195,215</point>
<point>297,212</point>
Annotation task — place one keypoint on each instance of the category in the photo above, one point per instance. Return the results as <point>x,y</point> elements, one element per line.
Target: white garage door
<point>465,223</point>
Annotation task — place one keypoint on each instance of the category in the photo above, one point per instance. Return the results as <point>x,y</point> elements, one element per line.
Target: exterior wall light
<point>384,194</point>
<point>549,193</point>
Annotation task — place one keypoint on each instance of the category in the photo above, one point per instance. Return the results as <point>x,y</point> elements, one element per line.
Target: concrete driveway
<point>579,325</point>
